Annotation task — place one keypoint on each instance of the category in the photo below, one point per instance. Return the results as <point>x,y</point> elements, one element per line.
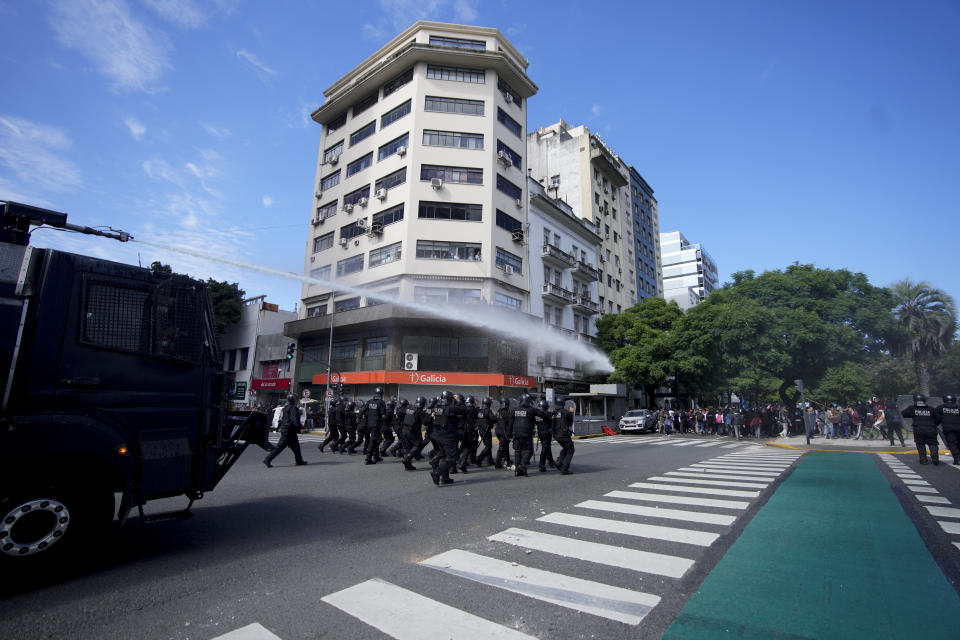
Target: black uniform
<point>522,420</point>
<point>334,424</point>
<point>485,421</point>
<point>387,429</point>
<point>545,434</point>
<point>289,427</point>
<point>503,435</point>
<point>894,423</point>
<point>561,422</point>
<point>373,415</point>
<point>924,432</point>
<point>446,426</point>
<point>947,416</point>
<point>468,437</point>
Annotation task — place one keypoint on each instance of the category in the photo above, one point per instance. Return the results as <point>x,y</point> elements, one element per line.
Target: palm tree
<point>930,318</point>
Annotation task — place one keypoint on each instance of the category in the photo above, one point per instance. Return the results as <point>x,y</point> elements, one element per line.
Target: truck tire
<point>52,522</point>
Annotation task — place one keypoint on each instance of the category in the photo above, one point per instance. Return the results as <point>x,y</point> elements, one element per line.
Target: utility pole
<point>803,409</point>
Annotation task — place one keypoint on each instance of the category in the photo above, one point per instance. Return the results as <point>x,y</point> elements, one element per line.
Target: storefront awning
<point>428,378</point>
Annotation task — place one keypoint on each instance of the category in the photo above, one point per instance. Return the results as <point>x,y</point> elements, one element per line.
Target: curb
<point>909,451</point>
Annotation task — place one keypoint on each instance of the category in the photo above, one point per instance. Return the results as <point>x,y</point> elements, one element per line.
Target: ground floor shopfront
<point>360,385</point>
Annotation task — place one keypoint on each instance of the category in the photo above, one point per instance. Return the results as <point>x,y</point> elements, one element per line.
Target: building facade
<point>689,273</point>
<point>646,233</point>
<point>420,197</point>
<point>563,250</point>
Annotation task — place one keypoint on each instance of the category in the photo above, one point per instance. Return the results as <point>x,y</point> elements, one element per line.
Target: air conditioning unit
<point>519,203</point>
<point>361,223</point>
<point>436,183</point>
<point>517,235</point>
<point>362,202</point>
<point>375,229</point>
<point>381,194</point>
<point>335,159</point>
<point>343,242</point>
<point>316,221</point>
<point>318,195</point>
<point>602,259</point>
<point>507,269</point>
<point>410,361</point>
<point>348,208</point>
<point>401,150</point>
<point>504,158</point>
<point>508,97</point>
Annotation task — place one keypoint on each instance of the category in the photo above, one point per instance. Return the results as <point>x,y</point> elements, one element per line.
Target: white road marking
<point>922,489</point>
<point>636,529</point>
<point>745,475</point>
<point>715,483</point>
<point>659,497</point>
<point>694,474</point>
<point>615,603</point>
<point>656,512</point>
<point>949,527</point>
<point>254,631</point>
<point>735,444</point>
<point>944,512</point>
<point>406,615</point>
<point>698,490</point>
<point>745,466</point>
<point>934,499</point>
<point>685,443</point>
<point>643,561</point>
<point>919,483</point>
<point>710,444</point>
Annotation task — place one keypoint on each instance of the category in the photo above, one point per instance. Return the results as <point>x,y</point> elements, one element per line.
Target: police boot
<point>923,459</point>
<point>408,466</point>
<point>463,468</point>
<point>435,477</point>
<point>935,457</point>
<point>542,468</point>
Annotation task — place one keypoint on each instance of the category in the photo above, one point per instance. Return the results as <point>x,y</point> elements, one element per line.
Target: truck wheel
<point>43,523</point>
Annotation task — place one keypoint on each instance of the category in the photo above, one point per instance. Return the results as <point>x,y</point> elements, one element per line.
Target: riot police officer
<point>468,435</point>
<point>544,433</point>
<point>410,420</point>
<point>426,420</point>
<point>561,422</point>
<point>373,415</point>
<point>924,428</point>
<point>522,421</point>
<point>289,427</point>
<point>334,425</point>
<point>446,425</point>
<point>348,435</point>
<point>947,416</point>
<point>485,421</point>
<point>388,426</point>
<point>503,435</point>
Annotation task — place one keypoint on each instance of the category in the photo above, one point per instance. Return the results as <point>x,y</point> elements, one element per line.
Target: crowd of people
<point>460,429</point>
<point>762,422</point>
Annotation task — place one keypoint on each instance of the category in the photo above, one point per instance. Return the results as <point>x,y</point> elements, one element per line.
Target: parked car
<point>637,421</point>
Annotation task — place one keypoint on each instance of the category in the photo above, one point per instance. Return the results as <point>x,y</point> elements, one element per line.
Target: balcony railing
<point>557,294</point>
<point>556,256</point>
<point>584,304</point>
<point>585,270</point>
<point>583,337</point>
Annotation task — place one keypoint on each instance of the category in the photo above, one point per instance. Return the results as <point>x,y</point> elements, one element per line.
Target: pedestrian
<point>924,428</point>
<point>289,427</point>
<point>947,416</point>
<point>736,421</point>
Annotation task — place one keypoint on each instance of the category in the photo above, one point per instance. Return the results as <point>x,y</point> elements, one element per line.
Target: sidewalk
<point>831,555</point>
<point>819,443</point>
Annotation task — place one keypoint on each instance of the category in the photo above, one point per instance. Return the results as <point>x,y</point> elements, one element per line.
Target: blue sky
<point>772,132</point>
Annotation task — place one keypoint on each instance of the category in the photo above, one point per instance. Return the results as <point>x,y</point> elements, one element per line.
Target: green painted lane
<point>831,555</point>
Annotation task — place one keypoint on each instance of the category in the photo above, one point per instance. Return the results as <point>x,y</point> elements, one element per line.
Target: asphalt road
<point>331,549</point>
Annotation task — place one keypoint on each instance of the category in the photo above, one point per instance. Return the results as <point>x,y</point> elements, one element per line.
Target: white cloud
<point>596,110</point>
<point>119,46</point>
<point>183,13</point>
<point>220,132</point>
<point>400,14</point>
<point>252,59</point>
<point>195,170</point>
<point>465,10</point>
<point>33,155</point>
<point>136,128</point>
<point>267,202</point>
<point>160,169</point>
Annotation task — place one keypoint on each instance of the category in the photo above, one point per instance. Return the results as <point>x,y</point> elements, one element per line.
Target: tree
<point>929,317</point>
<point>638,343</point>
<point>845,383</point>
<point>227,303</point>
<point>159,267</point>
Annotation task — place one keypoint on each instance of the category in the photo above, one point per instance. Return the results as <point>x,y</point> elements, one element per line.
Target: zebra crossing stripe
<point>919,483</point>
<point>607,601</point>
<point>715,483</point>
<point>949,527</point>
<point>635,529</point>
<point>720,476</point>
<point>405,615</point>
<point>743,475</point>
<point>642,561</point>
<point>957,545</point>
<point>744,466</point>
<point>934,499</point>
<point>659,497</point>
<point>685,443</point>
<point>254,631</point>
<point>732,445</point>
<point>709,444</point>
<point>943,512</point>
<point>922,489</point>
<point>656,512</point>
<point>697,490</point>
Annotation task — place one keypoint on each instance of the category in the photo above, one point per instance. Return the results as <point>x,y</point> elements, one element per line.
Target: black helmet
<point>544,405</point>
<point>919,398</point>
<point>421,402</point>
<point>341,399</point>
<point>403,403</point>
<point>468,400</point>
<point>378,392</point>
<point>351,406</point>
<point>446,397</point>
<point>391,405</point>
<point>291,397</point>
<point>432,403</point>
<point>487,401</point>
<point>526,399</point>
<point>949,397</point>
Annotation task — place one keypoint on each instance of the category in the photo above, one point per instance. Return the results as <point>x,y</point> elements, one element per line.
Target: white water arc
<point>504,322</point>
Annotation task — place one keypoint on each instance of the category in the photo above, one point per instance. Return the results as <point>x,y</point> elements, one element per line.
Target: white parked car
<point>637,421</point>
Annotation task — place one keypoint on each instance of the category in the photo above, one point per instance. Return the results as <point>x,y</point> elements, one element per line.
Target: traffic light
<point>291,349</point>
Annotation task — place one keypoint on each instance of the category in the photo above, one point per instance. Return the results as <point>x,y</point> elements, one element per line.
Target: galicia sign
<point>427,377</point>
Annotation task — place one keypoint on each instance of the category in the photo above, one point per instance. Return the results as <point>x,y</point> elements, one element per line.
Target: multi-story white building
<point>689,273</point>
<point>576,166</point>
<point>420,194</point>
<point>563,285</point>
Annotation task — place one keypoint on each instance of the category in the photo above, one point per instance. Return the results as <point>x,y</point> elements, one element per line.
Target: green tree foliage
<point>928,316</point>
<point>845,383</point>
<point>158,266</point>
<point>227,303</point>
<point>945,372</point>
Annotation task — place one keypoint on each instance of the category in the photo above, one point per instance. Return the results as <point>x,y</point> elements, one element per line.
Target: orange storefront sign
<point>427,377</point>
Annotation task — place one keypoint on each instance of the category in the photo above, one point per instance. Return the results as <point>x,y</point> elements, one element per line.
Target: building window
<point>349,265</point>
<point>387,295</point>
<point>333,152</point>
<point>398,82</point>
<point>364,104</point>
<point>508,91</point>
<point>345,305</point>
<point>375,346</point>
<point>336,123</point>
<point>555,180</point>
<point>441,250</point>
<point>327,211</point>
<point>457,74</point>
<point>507,222</point>
<point>359,164</point>
<point>344,354</point>
<point>457,175</point>
<point>453,105</point>
<point>394,114</point>
<point>509,122</point>
<point>354,196</point>
<point>391,180</point>
<point>330,180</point>
<point>383,255</point>
<point>388,216</point>
<point>323,242</point>
<point>459,43</point>
<point>244,354</point>
<point>509,188</point>
<point>452,139</point>
<point>391,147</point>
<point>507,259</point>
<point>314,312</point>
<point>351,231</point>
<point>321,273</point>
<point>515,158</point>
<point>443,294</point>
<point>451,211</point>
<point>503,300</point>
<point>363,133</point>
<point>464,296</point>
